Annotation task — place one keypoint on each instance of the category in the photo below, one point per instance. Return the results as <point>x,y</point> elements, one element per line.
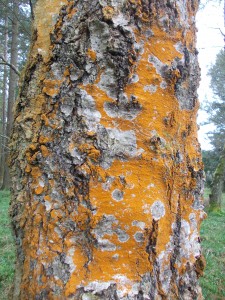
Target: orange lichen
<point>108,12</point>
<point>33,147</point>
<point>44,139</point>
<point>66,72</point>
<point>44,150</point>
<point>28,169</point>
<point>51,87</point>
<point>36,172</point>
<point>44,23</point>
<point>92,152</point>
<point>92,54</point>
<point>39,190</point>
<point>82,217</point>
<point>71,12</point>
<point>80,260</point>
<point>45,119</point>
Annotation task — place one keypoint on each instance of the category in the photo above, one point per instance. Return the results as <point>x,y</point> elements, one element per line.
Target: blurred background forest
<point>15,34</point>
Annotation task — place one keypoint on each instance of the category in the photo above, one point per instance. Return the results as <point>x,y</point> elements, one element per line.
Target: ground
<point>213,244</point>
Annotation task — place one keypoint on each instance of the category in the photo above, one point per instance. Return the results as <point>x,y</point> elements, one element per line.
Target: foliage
<point>7,250</point>
<point>210,159</point>
<point>213,241</point>
<point>216,108</point>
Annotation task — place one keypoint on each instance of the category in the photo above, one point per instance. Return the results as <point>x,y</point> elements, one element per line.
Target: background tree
<point>16,26</point>
<point>210,160</point>
<point>216,111</point>
<point>106,167</point>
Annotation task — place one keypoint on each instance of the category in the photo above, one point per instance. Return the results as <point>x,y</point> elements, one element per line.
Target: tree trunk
<point>215,198</point>
<point>4,141</point>
<point>13,78</point>
<point>106,168</point>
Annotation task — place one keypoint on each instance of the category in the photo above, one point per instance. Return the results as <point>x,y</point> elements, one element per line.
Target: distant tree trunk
<point>106,168</point>
<point>4,141</point>
<point>215,198</point>
<point>13,79</point>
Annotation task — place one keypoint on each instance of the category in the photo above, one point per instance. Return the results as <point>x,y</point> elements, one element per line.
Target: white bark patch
<point>109,225</point>
<point>182,4</point>
<point>48,205</point>
<point>97,286</point>
<point>115,3</point>
<point>156,63</point>
<point>157,210</point>
<point>66,109</point>
<point>165,277</point>
<point>139,47</point>
<point>99,37</point>
<point>139,224</point>
<point>134,79</point>
<point>163,85</point>
<point>189,241</point>
<point>164,265</point>
<point>78,157</point>
<point>106,245</point>
<point>69,260</point>
<point>120,20</point>
<point>116,144</point>
<point>87,110</point>
<point>126,287</point>
<point>59,232</point>
<point>107,185</point>
<point>180,48</point>
<point>150,88</point>
<point>108,82</point>
<point>123,237</point>
<point>193,221</point>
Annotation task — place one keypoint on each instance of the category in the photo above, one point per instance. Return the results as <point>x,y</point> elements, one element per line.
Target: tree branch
<point>4,62</point>
<point>4,136</point>
<point>219,30</point>
<point>31,9</point>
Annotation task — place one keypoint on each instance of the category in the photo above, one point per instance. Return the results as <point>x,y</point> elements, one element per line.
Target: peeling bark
<point>106,167</point>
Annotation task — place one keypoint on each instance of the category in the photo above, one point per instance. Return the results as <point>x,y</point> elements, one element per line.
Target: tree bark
<point>106,168</point>
<point>215,198</point>
<point>13,79</point>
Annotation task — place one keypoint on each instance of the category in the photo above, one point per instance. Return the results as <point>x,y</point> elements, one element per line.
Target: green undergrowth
<point>7,251</point>
<point>213,245</point>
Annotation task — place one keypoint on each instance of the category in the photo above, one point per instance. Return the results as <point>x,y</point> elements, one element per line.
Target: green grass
<point>7,257</point>
<point>213,245</point>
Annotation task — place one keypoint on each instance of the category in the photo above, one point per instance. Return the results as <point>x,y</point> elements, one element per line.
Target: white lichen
<point>150,88</point>
<point>139,224</point>
<point>157,210</point>
<point>117,195</point>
